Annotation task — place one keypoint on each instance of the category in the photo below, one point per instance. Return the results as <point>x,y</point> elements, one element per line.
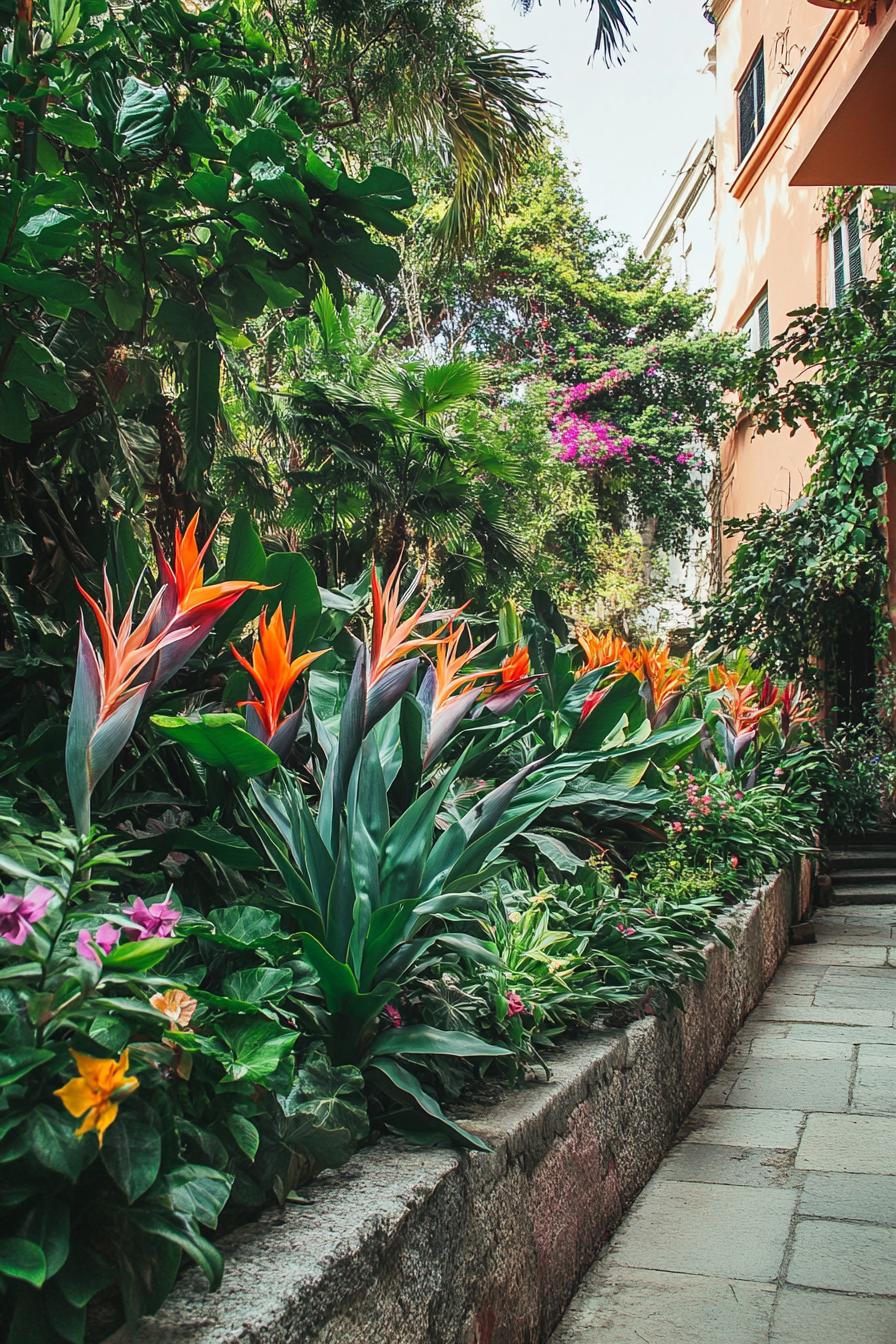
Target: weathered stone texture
<point>403,1246</point>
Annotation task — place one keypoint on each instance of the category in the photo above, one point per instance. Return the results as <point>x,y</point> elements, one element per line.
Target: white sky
<point>629,128</point>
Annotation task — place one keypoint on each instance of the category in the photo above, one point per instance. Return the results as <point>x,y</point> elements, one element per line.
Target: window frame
<point>753,79</point>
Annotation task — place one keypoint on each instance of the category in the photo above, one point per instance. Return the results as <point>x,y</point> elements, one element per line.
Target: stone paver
<point>773,1218</point>
<point>846,1257</point>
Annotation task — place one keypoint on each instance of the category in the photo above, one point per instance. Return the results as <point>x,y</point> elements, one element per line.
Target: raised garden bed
<point>410,1246</point>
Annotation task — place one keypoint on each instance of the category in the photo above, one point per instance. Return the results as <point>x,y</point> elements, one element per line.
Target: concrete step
<point>851,893</point>
<point>862,858</point>
<point>875,877</point>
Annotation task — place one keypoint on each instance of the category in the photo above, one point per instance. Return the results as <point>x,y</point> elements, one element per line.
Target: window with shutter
<point>846,254</point>
<point>763,323</point>
<point>757,324</point>
<point>751,103</point>
<point>854,245</point>
<point>839,266</point>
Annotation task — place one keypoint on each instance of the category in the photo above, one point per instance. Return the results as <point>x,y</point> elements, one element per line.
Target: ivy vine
<point>803,577</point>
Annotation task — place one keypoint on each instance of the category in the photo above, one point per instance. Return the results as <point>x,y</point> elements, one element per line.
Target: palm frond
<point>615,20</point>
<point>484,121</point>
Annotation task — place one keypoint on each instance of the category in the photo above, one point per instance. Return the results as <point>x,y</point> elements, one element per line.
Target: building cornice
<point>801,88</point>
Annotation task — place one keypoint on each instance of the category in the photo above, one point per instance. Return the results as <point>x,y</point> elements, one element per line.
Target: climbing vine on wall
<point>804,577</point>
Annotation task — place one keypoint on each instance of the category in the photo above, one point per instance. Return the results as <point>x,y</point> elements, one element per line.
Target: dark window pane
<point>751,104</point>
<point>759,69</point>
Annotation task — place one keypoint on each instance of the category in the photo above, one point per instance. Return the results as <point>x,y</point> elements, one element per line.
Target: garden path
<point>773,1218</point>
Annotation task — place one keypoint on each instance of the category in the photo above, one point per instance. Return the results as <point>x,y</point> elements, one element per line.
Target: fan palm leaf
<point>615,20</point>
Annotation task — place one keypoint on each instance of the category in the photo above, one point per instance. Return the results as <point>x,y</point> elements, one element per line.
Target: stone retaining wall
<point>410,1246</point>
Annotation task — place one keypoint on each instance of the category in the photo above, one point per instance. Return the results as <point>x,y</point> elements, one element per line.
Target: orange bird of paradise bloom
<point>273,668</point>
<point>188,602</point>
<point>125,651</point>
<point>722,678</point>
<point>450,679</point>
<point>665,678</point>
<point>96,1092</point>
<point>516,667</point>
<point>392,634</point>
<point>189,573</point>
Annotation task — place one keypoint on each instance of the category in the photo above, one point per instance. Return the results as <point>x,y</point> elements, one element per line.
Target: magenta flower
<point>735,861</point>
<point>105,938</point>
<point>677,827</point>
<point>626,932</point>
<point>515,1005</point>
<point>154,921</point>
<point>392,1015</point>
<point>19,913</point>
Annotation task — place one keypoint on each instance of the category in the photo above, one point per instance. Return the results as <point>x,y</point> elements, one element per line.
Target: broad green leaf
<point>21,1259</point>
<point>16,1063</point>
<point>132,1153</point>
<point>256,1045</point>
<point>220,740</point>
<point>293,585</point>
<point>196,1192</point>
<point>425,1040</point>
<point>245,925</point>
<point>407,1086</point>
<point>141,955</point>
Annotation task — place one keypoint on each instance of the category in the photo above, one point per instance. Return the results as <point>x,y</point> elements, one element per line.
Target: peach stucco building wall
<point>767,227</point>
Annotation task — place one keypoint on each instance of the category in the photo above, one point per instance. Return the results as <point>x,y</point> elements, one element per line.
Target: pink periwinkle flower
<point>153,921</point>
<point>105,938</point>
<point>677,827</point>
<point>19,913</point>
<point>515,1005</point>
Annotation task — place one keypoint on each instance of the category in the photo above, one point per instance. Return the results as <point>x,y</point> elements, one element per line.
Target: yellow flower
<point>176,1005</point>
<point>95,1093</point>
<point>556,965</point>
<point>539,898</point>
<point>514,917</point>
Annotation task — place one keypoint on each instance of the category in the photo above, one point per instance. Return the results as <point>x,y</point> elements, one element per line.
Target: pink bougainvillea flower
<point>515,1005</point>
<point>19,913</point>
<point>105,938</point>
<point>154,921</point>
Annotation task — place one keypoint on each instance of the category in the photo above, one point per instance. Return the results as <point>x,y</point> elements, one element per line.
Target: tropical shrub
<point>387,843</point>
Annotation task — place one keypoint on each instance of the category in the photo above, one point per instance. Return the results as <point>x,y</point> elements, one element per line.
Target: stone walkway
<point>773,1218</point>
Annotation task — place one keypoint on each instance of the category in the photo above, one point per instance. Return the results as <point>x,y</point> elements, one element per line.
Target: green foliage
<point>168,195</point>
